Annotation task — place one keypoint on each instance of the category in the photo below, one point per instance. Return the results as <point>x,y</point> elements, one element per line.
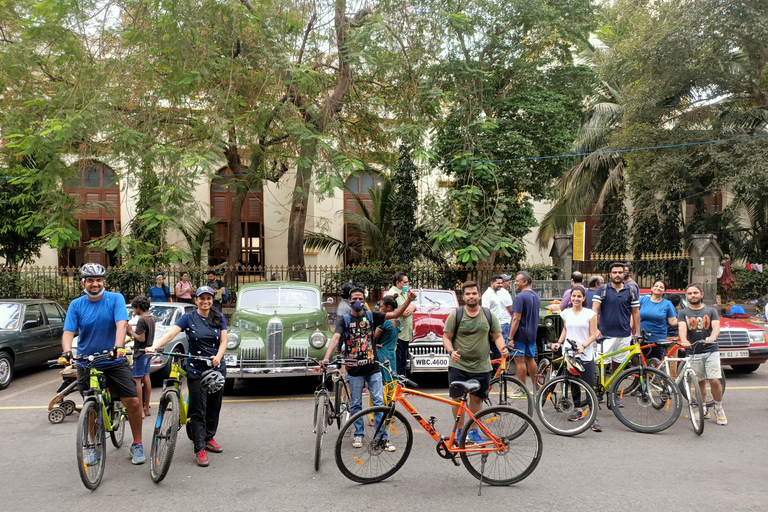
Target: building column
<point>705,257</point>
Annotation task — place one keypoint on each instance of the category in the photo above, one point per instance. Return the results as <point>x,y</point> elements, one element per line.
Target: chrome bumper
<point>245,369</point>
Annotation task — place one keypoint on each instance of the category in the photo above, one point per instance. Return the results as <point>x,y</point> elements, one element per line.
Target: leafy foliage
<point>404,206</point>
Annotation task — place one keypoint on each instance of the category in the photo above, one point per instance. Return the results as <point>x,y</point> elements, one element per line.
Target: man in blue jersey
<point>525,326</point>
<point>99,317</point>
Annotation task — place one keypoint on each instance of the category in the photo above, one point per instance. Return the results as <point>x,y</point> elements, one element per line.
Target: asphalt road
<point>267,435</point>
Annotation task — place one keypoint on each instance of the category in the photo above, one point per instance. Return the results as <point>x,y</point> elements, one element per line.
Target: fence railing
<point>671,267</point>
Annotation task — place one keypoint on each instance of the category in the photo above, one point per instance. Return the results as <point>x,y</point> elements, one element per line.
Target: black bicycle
<point>326,410</point>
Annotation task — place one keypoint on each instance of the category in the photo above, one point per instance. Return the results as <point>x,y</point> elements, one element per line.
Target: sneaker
<point>389,447</point>
<point>456,439</point>
<point>474,436</point>
<point>93,457</point>
<point>357,442</point>
<point>137,453</point>
<point>706,413</point>
<point>596,426</point>
<point>519,393</point>
<point>576,416</point>
<point>202,458</point>
<point>213,446</point>
<point>721,419</point>
<point>619,403</point>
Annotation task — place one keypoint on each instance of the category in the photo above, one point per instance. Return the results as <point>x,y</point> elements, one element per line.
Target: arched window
<point>96,182</point>
<point>252,221</point>
<point>360,186</point>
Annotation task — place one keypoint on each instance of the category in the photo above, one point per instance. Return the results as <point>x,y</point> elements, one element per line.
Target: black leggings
<point>588,376</point>
<point>204,412</point>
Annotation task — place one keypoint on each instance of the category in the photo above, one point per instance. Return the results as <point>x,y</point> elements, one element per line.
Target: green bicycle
<point>172,413</point>
<point>98,416</point>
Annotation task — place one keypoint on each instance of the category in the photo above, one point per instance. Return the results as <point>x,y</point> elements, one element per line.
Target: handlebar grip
<point>408,383</point>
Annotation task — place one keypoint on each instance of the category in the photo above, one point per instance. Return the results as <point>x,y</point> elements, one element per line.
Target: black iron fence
<point>672,268</point>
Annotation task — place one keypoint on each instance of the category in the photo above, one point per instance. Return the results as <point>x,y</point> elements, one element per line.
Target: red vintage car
<point>426,353</point>
<point>743,345</point>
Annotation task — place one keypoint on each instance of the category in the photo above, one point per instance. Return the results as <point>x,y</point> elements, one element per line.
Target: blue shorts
<point>141,365</point>
<point>529,349</point>
<point>505,332</point>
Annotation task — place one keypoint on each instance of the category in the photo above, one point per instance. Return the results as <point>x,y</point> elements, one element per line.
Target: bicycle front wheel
<point>341,404</point>
<point>509,391</point>
<point>645,400</point>
<point>117,434</point>
<point>384,449</point>
<point>566,406</point>
<point>91,445</point>
<point>164,436</point>
<point>321,421</point>
<point>695,403</point>
<point>520,436</point>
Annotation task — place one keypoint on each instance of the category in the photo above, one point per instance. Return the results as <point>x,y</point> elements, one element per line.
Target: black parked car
<point>30,334</point>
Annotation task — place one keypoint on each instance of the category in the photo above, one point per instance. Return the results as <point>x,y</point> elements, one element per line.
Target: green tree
<point>19,242</point>
<point>404,209</point>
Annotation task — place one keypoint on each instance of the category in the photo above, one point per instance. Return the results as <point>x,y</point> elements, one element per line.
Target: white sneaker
<point>389,447</point>
<point>519,393</point>
<point>721,419</point>
<point>357,442</point>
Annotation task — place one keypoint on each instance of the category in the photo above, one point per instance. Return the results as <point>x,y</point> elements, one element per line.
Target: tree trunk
<point>235,247</point>
<point>298,219</point>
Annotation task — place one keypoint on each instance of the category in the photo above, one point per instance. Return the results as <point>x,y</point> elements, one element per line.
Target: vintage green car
<point>273,323</point>
<point>550,323</point>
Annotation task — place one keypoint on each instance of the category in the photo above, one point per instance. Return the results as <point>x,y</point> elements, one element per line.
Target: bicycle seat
<point>469,386</point>
<point>600,339</point>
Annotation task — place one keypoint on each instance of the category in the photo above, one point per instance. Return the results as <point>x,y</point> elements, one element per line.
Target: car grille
<point>298,352</point>
<point>735,338</point>
<point>250,353</point>
<point>437,350</point>
<point>274,342</point>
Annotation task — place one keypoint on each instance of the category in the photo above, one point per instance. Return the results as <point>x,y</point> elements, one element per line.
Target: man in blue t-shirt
<point>525,325</point>
<point>618,310</point>
<point>99,317</point>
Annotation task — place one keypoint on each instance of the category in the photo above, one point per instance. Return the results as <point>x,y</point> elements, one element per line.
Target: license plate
<point>733,354</point>
<point>230,359</point>
<point>430,362</point>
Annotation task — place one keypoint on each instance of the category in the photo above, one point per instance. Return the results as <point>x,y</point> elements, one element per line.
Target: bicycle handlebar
<point>182,355</point>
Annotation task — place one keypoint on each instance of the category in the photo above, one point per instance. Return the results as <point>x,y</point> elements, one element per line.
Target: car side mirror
<point>30,324</point>
<point>329,300</point>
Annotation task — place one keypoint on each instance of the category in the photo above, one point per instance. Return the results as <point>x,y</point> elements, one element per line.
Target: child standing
<point>386,337</point>
<point>144,335</point>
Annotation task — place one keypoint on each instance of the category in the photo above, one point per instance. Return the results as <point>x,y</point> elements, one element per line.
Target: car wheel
<point>6,369</point>
<point>744,368</point>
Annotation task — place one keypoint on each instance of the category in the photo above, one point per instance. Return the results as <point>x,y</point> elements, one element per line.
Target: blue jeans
<point>376,391</point>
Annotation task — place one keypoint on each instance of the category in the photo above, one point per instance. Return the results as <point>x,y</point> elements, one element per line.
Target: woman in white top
<point>580,327</point>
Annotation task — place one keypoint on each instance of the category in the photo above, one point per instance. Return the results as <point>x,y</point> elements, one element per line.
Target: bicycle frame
<point>173,384</point>
<point>504,362</point>
<point>633,350</point>
<point>101,396</point>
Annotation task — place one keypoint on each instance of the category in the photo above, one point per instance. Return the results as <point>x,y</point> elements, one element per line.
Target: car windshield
<point>163,314</point>
<point>279,297</point>
<point>437,298</point>
<point>551,289</point>
<point>9,316</point>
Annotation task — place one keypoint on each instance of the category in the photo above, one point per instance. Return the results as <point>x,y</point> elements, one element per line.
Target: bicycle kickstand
<point>483,458</point>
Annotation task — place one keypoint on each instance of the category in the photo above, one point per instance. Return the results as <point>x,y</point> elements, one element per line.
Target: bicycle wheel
<point>645,399</point>
<point>341,404</point>
<point>509,391</point>
<point>375,461</point>
<point>556,408</point>
<point>519,434</point>
<point>117,434</point>
<point>321,421</point>
<point>164,436</point>
<point>695,403</point>
<point>91,447</point>
<point>543,373</point>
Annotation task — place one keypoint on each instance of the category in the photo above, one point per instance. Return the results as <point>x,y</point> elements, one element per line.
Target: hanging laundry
<point>727,278</point>
<point>749,267</point>
<point>758,267</point>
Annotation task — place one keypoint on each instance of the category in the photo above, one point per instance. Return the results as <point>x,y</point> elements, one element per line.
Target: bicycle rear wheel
<point>695,403</point>
<point>164,436</point>
<point>509,391</point>
<point>321,422</point>
<point>557,410</point>
<point>543,373</point>
<point>374,461</point>
<point>341,404</point>
<point>117,434</point>
<point>91,445</point>
<point>645,399</point>
<point>519,434</point>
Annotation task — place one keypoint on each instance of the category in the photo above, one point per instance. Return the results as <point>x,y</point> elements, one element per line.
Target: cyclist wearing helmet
<point>206,332</point>
<point>100,318</point>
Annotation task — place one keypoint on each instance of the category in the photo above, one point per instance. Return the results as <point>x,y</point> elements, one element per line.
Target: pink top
<point>184,290</point>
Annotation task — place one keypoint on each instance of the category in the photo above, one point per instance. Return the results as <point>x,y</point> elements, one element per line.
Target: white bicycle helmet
<point>212,381</point>
<point>92,270</point>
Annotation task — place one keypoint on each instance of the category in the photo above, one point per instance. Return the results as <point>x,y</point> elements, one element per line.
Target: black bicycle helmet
<point>346,289</point>
<point>212,381</point>
<point>92,270</point>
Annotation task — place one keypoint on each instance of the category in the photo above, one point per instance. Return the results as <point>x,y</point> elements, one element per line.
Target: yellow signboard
<point>579,241</point>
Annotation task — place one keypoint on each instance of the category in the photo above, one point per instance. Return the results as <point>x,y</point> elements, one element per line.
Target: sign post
<point>579,240</point>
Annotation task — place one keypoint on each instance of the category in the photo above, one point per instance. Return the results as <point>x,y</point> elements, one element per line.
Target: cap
<point>506,277</point>
<point>205,289</point>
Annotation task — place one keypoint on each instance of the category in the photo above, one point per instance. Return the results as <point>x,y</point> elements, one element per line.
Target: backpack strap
<point>487,312</point>
<point>457,322</point>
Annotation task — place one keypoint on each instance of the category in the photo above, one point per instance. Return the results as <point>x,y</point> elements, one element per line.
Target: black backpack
<point>460,315</point>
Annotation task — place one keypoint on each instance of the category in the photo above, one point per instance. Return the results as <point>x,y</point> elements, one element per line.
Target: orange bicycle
<point>508,390</point>
<point>504,450</point>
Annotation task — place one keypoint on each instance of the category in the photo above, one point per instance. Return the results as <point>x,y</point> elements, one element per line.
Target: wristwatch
<point>451,352</point>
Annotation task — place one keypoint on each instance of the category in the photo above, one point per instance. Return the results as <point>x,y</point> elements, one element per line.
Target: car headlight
<point>756,337</point>
<point>549,322</point>
<point>317,340</point>
<point>233,340</point>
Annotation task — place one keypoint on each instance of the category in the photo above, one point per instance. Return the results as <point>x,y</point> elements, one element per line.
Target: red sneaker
<point>202,458</point>
<point>213,446</point>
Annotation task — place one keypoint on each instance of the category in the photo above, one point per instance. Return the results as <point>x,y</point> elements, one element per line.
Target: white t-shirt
<point>505,299</point>
<point>490,300</point>
<point>577,329</point>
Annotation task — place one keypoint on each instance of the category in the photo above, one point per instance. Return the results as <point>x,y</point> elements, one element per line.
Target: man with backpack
<point>358,328</point>
<point>222,294</point>
<point>467,336</point>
